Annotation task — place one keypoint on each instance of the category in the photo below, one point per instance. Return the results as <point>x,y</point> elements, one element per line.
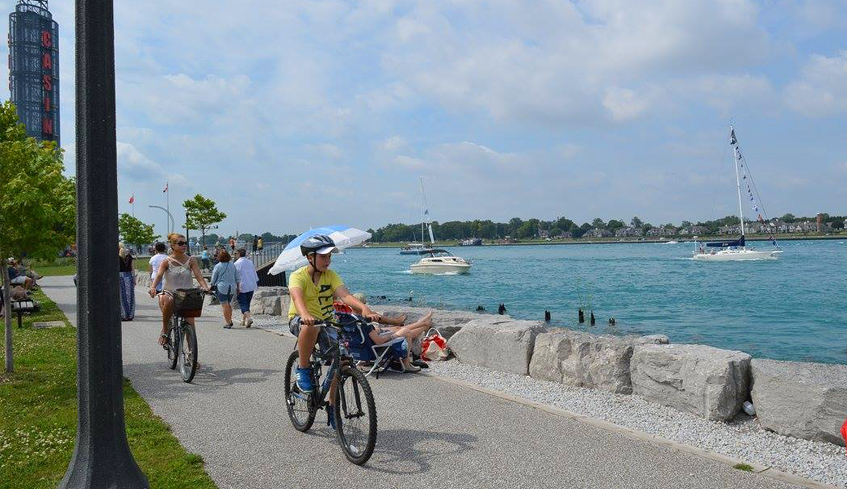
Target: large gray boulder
<point>699,379</point>
<point>803,400</point>
<point>586,360</point>
<point>497,343</point>
<point>273,301</point>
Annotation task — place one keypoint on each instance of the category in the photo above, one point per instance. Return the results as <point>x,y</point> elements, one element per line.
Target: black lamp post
<point>101,456</point>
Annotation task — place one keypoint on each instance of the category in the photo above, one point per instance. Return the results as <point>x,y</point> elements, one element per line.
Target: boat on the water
<point>441,262</point>
<point>416,249</point>
<point>471,242</point>
<point>673,241</point>
<point>737,250</point>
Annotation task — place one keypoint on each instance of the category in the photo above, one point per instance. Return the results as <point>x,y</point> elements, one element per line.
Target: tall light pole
<point>101,453</point>
<point>170,217</point>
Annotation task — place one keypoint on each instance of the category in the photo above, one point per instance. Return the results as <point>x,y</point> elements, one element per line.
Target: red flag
<point>132,199</point>
<point>166,188</point>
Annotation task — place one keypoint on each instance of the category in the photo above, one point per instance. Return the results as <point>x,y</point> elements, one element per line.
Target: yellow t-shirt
<point>318,297</point>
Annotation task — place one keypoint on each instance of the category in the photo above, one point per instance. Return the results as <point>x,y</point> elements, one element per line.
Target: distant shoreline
<point>621,241</point>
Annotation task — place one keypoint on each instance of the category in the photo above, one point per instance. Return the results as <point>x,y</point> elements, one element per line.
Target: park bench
<point>20,307</point>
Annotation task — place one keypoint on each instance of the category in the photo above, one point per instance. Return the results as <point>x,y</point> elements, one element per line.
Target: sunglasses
<point>180,243</point>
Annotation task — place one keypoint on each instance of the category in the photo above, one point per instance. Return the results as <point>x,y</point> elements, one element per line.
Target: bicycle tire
<point>353,394</point>
<point>173,345</point>
<point>188,353</point>
<point>300,409</point>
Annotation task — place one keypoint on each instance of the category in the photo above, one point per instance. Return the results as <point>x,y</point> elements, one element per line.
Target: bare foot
<point>427,319</point>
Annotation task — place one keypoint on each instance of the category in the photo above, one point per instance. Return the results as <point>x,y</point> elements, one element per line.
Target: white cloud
<point>822,87</point>
<point>624,104</point>
<point>136,166</point>
<point>392,144</point>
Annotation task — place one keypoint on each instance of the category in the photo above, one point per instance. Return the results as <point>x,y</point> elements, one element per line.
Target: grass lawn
<point>67,266</point>
<point>39,408</point>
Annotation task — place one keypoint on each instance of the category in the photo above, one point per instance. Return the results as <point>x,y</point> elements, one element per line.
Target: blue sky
<point>299,114</point>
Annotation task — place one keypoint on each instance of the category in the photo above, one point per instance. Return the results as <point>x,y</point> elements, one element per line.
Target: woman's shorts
<point>19,280</point>
<point>224,298</point>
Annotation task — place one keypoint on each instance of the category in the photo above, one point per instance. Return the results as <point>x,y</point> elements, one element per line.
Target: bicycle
<point>355,410</point>
<point>181,343</point>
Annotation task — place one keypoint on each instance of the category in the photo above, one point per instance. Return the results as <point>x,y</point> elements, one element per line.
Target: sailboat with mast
<point>737,250</point>
<point>421,248</point>
<point>439,261</point>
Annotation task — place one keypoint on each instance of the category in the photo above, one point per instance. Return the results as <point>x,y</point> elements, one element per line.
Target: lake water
<point>787,309</point>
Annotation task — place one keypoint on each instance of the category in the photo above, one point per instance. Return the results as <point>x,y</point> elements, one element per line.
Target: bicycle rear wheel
<point>188,352</point>
<point>298,404</point>
<point>173,344</point>
<point>355,416</point>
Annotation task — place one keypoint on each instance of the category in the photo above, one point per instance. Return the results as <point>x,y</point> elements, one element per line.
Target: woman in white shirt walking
<point>249,282</point>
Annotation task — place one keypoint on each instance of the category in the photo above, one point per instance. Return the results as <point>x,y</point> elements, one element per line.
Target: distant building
<point>597,233</point>
<point>629,232</point>
<point>34,69</point>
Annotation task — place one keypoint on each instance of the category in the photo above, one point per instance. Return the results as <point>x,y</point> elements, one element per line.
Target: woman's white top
<point>157,260</point>
<point>247,274</point>
<point>178,275</point>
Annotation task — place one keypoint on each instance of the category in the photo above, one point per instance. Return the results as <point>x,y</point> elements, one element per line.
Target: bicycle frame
<point>336,354</point>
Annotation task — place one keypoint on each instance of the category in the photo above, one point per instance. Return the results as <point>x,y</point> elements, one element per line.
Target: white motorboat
<point>737,250</point>
<point>441,262</point>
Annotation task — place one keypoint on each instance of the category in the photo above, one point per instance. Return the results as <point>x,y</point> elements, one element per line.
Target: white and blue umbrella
<point>344,237</point>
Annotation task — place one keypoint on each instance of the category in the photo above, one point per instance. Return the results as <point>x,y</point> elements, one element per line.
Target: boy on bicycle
<point>313,288</point>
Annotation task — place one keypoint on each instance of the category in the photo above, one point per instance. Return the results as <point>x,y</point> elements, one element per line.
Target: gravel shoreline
<point>742,439</point>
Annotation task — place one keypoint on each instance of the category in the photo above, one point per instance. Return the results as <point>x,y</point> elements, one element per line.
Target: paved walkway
<point>429,430</point>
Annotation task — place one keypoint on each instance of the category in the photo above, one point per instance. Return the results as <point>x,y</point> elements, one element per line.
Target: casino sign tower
<point>34,68</point>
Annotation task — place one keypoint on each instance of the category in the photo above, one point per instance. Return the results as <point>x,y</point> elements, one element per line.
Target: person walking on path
<point>176,271</point>
<point>156,261</point>
<point>204,258</point>
<point>255,244</point>
<point>260,244</point>
<point>127,284</point>
<point>232,246</point>
<point>248,283</point>
<point>225,281</point>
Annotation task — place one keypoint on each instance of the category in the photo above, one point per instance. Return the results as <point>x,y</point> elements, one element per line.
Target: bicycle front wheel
<point>355,416</point>
<point>188,352</point>
<point>173,344</point>
<point>298,404</point>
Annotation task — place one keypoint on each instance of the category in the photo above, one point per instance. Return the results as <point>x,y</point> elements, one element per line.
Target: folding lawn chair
<point>363,348</point>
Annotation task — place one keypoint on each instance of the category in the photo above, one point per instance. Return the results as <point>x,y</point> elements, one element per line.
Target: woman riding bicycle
<point>176,271</point>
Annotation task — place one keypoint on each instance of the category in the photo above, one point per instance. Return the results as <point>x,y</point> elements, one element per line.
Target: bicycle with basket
<point>181,344</point>
<point>354,412</point>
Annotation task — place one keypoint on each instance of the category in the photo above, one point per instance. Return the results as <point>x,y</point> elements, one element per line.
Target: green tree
<point>636,222</point>
<point>615,224</point>
<point>135,232</point>
<point>37,204</point>
<point>202,213</point>
<point>598,223</point>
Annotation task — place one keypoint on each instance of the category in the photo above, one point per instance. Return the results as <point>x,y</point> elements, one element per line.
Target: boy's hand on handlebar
<point>308,320</point>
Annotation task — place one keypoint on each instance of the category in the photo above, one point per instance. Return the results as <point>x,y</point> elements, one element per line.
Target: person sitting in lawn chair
<point>387,334</point>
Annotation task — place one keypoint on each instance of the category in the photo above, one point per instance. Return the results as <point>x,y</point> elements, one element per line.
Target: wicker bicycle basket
<point>188,303</point>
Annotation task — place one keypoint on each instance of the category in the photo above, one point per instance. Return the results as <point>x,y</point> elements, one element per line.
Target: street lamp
<point>170,216</point>
<point>101,455</point>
